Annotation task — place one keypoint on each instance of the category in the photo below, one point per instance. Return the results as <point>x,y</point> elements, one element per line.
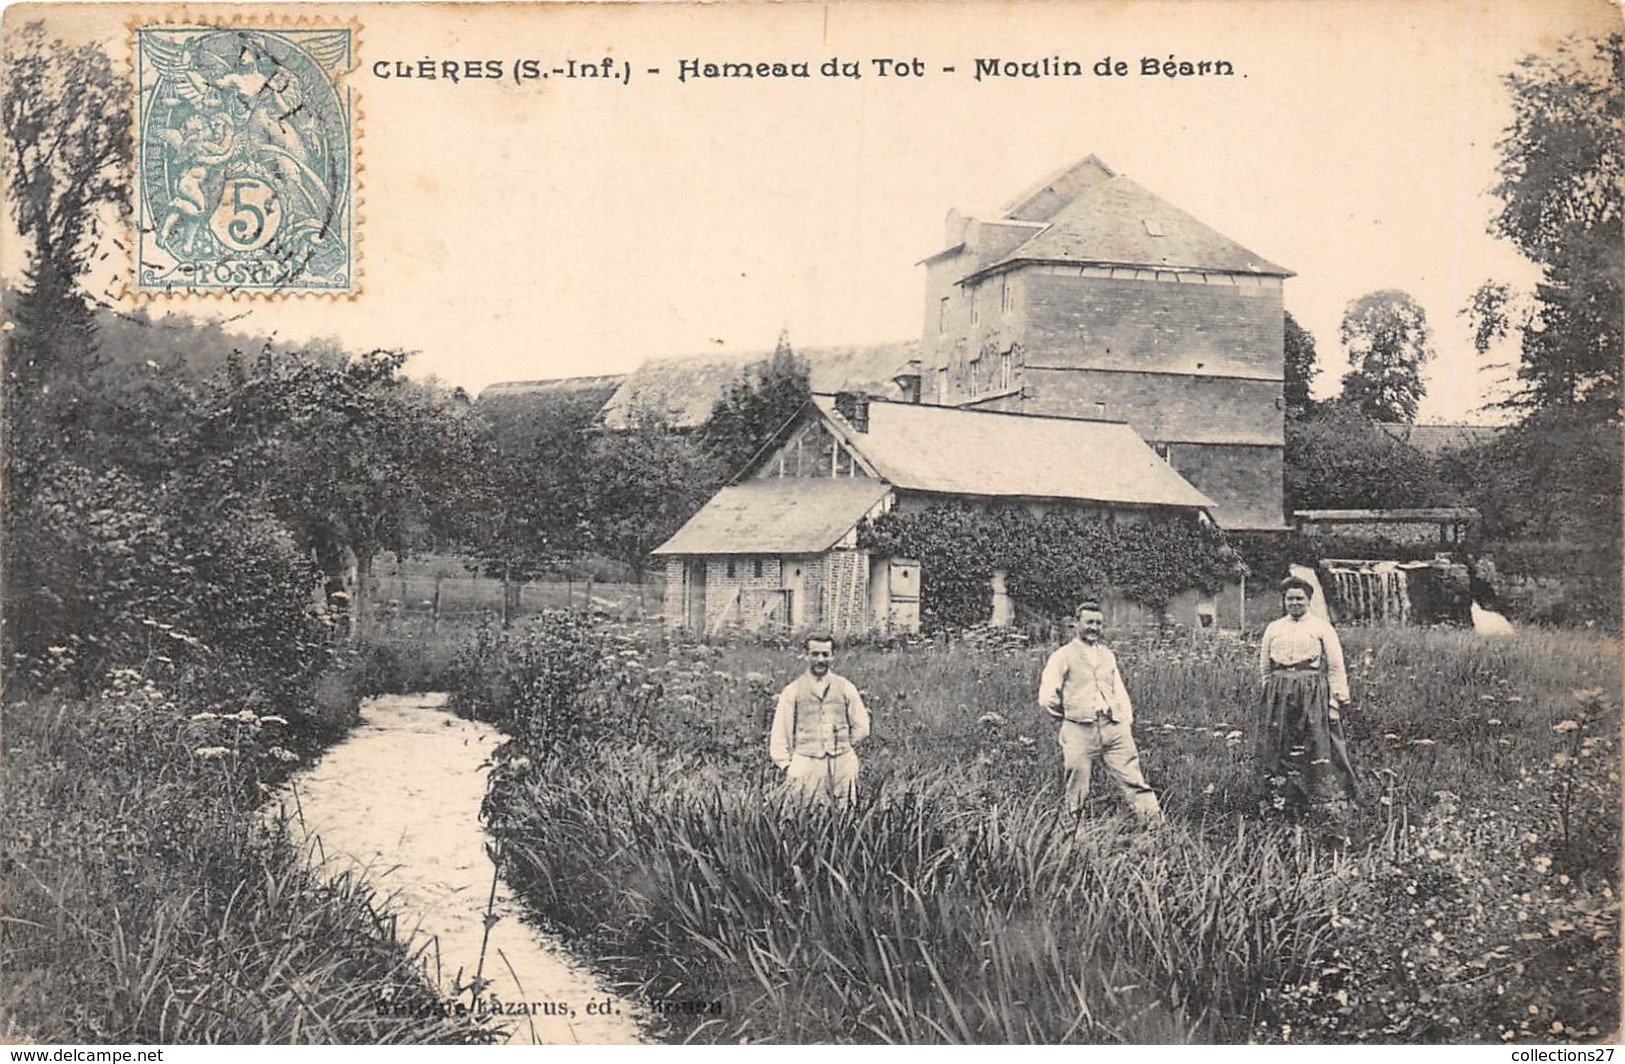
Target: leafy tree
<point>534,514</point>
<point>1338,459</point>
<point>1562,164</point>
<point>756,405</point>
<point>65,115</point>
<point>1298,370</point>
<point>646,481</point>
<point>1386,336</point>
<point>350,454</point>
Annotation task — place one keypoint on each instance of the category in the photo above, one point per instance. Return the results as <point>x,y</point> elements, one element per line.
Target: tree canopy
<point>1386,336</point>
<point>1299,369</point>
<point>65,115</point>
<point>757,403</point>
<point>1337,459</point>
<point>1562,162</point>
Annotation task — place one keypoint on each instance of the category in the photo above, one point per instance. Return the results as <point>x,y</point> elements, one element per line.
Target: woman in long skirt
<point>1302,756</point>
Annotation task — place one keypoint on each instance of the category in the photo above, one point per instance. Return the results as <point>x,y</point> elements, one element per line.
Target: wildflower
<point>1391,737</point>
<point>210,753</point>
<point>205,716</point>
<point>1589,694</point>
<point>1209,789</point>
<point>519,764</point>
<point>1421,742</point>
<point>991,718</point>
<point>1025,740</point>
<point>1233,737</point>
<point>273,720</point>
<point>1557,1026</point>
<point>756,679</point>
<point>1386,800</point>
<point>1543,864</point>
<point>1494,721</point>
<point>1531,838</point>
<point>279,754</point>
<point>1566,726</point>
<point>59,651</point>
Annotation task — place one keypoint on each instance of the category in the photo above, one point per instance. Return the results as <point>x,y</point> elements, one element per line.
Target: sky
<point>567,227</point>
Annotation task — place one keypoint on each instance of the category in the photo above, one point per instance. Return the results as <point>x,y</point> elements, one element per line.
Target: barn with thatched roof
<point>684,390</point>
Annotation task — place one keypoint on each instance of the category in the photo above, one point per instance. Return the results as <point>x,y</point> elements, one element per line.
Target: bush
<point>1052,562</point>
<point>111,573</point>
<point>532,681</point>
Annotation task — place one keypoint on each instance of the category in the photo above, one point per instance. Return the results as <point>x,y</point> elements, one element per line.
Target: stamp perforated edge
<point>239,18</point>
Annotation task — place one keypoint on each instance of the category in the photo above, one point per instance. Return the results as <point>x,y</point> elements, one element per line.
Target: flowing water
<point>400,798</point>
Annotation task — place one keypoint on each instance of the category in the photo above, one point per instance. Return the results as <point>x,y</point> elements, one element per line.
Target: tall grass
<point>914,917</point>
<point>146,901</point>
<point>1469,896</point>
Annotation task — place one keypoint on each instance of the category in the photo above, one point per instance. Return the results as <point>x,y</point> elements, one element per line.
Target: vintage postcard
<point>807,523</point>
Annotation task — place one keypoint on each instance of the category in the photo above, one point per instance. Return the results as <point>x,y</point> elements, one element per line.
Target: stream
<point>400,799</point>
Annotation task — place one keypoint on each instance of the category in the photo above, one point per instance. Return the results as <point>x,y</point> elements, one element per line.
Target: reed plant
<point>1470,895</point>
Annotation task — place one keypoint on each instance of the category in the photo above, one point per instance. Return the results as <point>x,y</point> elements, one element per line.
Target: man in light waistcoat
<point>1082,688</point>
<point>819,719</point>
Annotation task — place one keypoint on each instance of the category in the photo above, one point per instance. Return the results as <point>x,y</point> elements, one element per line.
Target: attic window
<point>1152,227</point>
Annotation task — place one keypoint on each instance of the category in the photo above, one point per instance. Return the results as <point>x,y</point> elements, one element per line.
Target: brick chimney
<point>854,407</point>
<point>908,381</point>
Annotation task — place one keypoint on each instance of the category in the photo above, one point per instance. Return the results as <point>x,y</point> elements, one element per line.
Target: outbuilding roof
<point>781,515</point>
<point>1434,440</point>
<point>685,389</point>
<point>972,452</point>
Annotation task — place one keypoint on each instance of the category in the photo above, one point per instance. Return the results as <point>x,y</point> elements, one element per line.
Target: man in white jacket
<point>1082,688</point>
<point>820,717</point>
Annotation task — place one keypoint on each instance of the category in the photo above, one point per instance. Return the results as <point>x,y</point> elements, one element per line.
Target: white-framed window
<point>942,315</point>
<point>1006,378</point>
<point>1007,298</point>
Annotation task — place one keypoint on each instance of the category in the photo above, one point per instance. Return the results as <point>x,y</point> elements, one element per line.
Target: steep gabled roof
<point>972,452</point>
<point>779,515</point>
<point>685,389</point>
<point>1097,217</point>
<point>1039,203</point>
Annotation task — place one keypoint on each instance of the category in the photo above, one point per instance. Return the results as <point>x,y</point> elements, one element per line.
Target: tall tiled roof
<point>970,452</point>
<point>1097,217</point>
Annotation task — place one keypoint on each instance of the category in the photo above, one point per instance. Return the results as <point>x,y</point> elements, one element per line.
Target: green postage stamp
<point>245,160</point>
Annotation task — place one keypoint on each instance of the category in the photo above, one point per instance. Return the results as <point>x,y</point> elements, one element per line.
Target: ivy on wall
<point>1050,562</point>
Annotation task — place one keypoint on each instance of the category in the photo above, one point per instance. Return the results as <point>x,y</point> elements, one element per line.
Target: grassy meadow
<point>148,900</point>
<point>1470,897</point>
